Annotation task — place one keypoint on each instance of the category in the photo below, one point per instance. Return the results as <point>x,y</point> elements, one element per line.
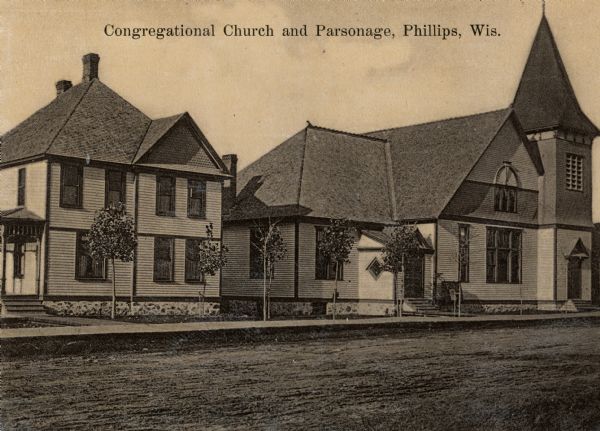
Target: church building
<point>502,201</point>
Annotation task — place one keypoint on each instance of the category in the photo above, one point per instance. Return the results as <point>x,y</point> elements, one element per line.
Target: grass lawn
<point>543,377</point>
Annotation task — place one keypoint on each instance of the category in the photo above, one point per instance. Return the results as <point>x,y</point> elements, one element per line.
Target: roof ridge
<point>302,167</point>
<point>60,129</point>
<point>443,119</point>
<point>390,179</point>
<point>343,132</point>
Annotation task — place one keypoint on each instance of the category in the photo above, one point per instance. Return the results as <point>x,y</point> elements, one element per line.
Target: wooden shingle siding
<point>545,264</point>
<point>478,288</point>
<point>236,280</point>
<point>308,286</point>
<point>188,147</point>
<point>477,200</point>
<point>180,224</point>
<point>146,286</point>
<point>35,187</point>
<point>506,146</point>
<point>565,240</point>
<point>61,270</point>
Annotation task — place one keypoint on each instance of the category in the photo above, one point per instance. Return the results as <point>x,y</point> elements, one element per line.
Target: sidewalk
<point>106,327</point>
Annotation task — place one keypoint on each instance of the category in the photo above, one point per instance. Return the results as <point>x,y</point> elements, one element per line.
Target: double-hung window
<point>115,187</point>
<point>325,268</point>
<point>21,187</point>
<point>165,195</point>
<point>503,255</point>
<point>196,199</point>
<point>71,186</point>
<point>256,260</point>
<point>164,258</point>
<point>463,252</point>
<point>192,262</point>
<point>87,267</point>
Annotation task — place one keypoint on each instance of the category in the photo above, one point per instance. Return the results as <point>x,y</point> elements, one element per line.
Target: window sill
<point>92,280</point>
<point>194,282</point>
<point>166,215</point>
<point>71,207</point>
<point>203,218</point>
<point>164,281</point>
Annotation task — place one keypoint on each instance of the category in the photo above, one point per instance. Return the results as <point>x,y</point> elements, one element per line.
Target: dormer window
<point>506,186</point>
<point>574,172</point>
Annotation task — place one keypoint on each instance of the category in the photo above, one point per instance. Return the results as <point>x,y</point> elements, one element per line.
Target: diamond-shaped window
<point>375,268</point>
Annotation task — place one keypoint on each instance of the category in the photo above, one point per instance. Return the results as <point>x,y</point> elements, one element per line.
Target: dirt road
<point>542,378</point>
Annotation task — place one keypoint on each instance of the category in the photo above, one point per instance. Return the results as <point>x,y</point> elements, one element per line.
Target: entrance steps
<point>18,305</point>
<point>582,305</point>
<point>421,306</point>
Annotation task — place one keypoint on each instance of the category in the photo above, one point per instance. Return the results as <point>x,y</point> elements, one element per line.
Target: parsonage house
<point>84,150</point>
<point>502,201</point>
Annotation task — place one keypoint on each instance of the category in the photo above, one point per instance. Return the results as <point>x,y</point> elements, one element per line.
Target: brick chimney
<point>230,185</point>
<point>90,66</point>
<point>62,86</point>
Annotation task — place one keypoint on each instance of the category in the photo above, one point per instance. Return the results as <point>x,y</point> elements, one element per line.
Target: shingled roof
<point>92,121</point>
<point>318,172</point>
<point>431,160</point>
<point>406,173</point>
<point>545,98</point>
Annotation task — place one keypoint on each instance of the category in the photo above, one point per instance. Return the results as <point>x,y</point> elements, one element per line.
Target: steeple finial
<point>544,7</point>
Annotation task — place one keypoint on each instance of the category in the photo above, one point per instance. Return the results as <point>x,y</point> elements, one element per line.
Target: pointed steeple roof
<point>545,98</point>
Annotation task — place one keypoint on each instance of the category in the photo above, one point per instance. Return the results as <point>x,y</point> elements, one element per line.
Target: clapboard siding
<point>146,286</point>
<point>506,146</point>
<point>236,280</point>
<point>308,286</point>
<point>94,189</point>
<point>61,270</point>
<point>180,224</point>
<point>565,241</point>
<point>545,268</point>
<point>477,288</point>
<point>379,288</point>
<point>35,187</point>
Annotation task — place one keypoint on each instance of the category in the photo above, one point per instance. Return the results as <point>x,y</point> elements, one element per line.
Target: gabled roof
<point>430,161</point>
<point>545,98</point>
<point>91,120</point>
<point>156,130</point>
<point>321,173</point>
<point>383,236</point>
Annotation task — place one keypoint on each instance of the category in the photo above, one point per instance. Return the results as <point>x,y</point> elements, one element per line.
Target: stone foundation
<point>483,308</point>
<point>103,308</point>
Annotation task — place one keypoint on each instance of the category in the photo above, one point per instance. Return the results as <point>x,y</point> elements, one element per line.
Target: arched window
<point>506,186</point>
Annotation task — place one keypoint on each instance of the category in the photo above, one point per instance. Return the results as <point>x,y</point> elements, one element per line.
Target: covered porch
<point>21,237</point>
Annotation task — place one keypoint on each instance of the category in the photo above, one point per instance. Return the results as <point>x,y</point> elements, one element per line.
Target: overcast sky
<point>249,94</point>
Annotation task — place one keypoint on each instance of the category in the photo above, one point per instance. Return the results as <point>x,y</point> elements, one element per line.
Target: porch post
<point>3,235</point>
<point>37,267</point>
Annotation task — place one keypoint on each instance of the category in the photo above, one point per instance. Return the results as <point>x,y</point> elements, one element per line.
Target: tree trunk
<point>269,296</point>
<point>459,297</point>
<point>264,287</point>
<point>401,296</point>
<point>203,295</point>
<point>335,288</point>
<point>395,293</point>
<point>114,291</point>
